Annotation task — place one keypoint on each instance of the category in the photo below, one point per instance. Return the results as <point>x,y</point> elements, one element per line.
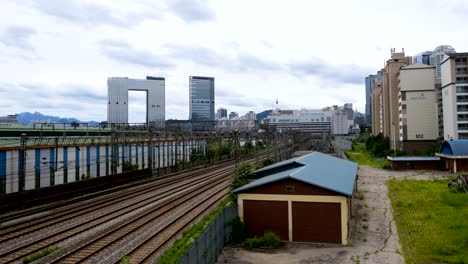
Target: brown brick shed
<point>305,199</point>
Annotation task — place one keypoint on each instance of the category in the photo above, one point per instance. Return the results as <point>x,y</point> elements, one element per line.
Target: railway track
<point>40,235</point>
<point>139,222</point>
<point>15,228</point>
<point>5,218</point>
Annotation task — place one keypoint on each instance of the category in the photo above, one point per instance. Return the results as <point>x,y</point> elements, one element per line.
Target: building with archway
<point>117,94</point>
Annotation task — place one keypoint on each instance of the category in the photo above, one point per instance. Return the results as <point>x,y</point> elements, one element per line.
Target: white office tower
<point>117,94</point>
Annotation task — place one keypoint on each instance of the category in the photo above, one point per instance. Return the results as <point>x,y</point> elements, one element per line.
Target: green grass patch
<point>360,155</point>
<point>268,240</point>
<point>182,245</point>
<point>40,254</point>
<point>432,221</point>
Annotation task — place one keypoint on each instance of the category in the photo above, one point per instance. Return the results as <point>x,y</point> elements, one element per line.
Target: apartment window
<point>462,71</point>
<point>290,188</point>
<point>462,126</point>
<point>462,108</point>
<point>462,99</point>
<point>462,89</point>
<point>462,135</point>
<point>462,117</point>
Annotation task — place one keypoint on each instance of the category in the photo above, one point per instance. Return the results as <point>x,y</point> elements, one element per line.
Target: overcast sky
<point>56,55</point>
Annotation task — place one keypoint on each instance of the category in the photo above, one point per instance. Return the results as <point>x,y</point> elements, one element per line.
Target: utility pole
<point>22,174</point>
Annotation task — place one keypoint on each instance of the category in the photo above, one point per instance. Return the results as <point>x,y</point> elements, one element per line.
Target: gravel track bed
<point>78,222</point>
<point>75,242</point>
<point>114,254</point>
<point>83,226</point>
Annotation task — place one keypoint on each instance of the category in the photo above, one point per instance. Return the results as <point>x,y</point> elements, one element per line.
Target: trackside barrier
<point>209,245</point>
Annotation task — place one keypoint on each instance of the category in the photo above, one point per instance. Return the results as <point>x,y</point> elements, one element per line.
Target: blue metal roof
<point>454,147</point>
<point>318,169</point>
<point>277,165</point>
<point>412,158</point>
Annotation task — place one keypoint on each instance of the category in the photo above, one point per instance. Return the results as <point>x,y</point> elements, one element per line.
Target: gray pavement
<point>374,237</point>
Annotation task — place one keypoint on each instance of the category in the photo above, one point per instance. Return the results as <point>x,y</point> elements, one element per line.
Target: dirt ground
<point>374,237</point>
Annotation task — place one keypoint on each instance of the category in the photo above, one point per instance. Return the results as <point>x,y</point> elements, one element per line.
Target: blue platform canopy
<point>454,148</point>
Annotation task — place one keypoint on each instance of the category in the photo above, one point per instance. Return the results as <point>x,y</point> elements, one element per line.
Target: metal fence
<point>207,248</point>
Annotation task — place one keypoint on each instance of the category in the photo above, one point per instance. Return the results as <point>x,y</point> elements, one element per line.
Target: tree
<point>241,178</point>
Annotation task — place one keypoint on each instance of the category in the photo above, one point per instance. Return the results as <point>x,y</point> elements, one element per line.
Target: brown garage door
<point>261,216</point>
<point>316,222</point>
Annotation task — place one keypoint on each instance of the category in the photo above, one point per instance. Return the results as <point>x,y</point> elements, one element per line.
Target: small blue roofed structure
<point>414,163</point>
<point>455,155</point>
<point>318,169</point>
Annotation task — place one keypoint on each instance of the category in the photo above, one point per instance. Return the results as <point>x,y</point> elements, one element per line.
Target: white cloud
<point>309,54</point>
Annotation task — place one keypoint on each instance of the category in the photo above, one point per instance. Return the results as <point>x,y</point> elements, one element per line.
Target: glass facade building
<point>202,98</point>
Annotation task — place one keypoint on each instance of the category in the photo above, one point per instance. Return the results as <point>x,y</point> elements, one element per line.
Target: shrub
<point>183,244</point>
<point>85,176</point>
<point>240,178</point>
<point>238,232</point>
<point>129,166</point>
<point>378,145</point>
<point>268,240</point>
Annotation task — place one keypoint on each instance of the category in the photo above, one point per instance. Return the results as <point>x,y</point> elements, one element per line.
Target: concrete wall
<point>421,115</point>
<point>449,102</point>
<point>50,166</point>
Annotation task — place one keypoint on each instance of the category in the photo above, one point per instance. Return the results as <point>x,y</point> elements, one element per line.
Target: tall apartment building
<point>340,125</point>
<point>418,112</point>
<point>390,117</point>
<point>376,108</point>
<point>454,73</point>
<point>233,115</point>
<point>221,113</point>
<point>117,93</point>
<point>436,60</point>
<point>251,116</point>
<point>423,57</point>
<point>370,83</point>
<point>202,98</point>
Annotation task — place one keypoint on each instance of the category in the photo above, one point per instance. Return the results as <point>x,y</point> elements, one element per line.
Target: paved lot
<point>374,238</point>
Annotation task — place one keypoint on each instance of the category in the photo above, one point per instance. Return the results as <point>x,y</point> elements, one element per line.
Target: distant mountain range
<point>27,118</point>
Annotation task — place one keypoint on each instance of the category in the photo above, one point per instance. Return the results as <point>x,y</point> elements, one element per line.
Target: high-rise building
<point>423,57</point>
<point>221,113</point>
<point>251,116</point>
<point>436,60</point>
<point>454,73</point>
<point>339,125</point>
<point>389,97</point>
<point>370,84</point>
<point>417,108</point>
<point>437,57</point>
<point>233,115</point>
<point>376,108</point>
<point>202,98</point>
<point>117,93</point>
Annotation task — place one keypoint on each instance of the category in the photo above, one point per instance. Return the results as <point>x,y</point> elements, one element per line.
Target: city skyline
<point>56,56</point>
